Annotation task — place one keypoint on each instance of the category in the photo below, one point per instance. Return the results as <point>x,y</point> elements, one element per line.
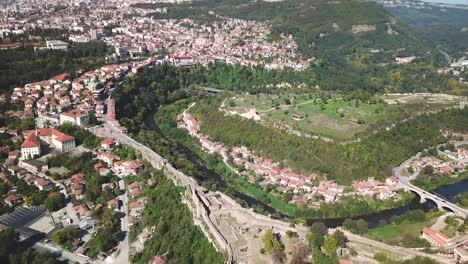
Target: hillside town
<point>39,167</point>
<point>85,180</point>
<point>229,40</point>
<point>448,163</point>
<point>306,189</point>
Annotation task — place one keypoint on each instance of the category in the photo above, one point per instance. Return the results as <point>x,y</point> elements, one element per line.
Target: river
<point>449,192</point>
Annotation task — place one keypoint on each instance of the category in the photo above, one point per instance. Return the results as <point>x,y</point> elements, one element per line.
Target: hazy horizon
<point>457,2</point>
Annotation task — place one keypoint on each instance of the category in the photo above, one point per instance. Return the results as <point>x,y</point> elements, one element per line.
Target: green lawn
<point>395,233</point>
<point>329,118</point>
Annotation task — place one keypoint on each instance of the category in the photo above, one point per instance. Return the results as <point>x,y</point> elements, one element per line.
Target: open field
<point>335,117</point>
<point>395,234</point>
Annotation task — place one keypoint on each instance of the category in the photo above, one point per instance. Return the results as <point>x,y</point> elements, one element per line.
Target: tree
<point>54,203</point>
<point>271,243</point>
<point>428,170</point>
<point>8,245</point>
<point>330,245</point>
<point>349,224</point>
<point>380,257</point>
<point>11,251</point>
<point>318,231</point>
<point>361,226</point>
<point>341,239</point>
<point>37,198</point>
<point>66,234</point>
<point>420,260</point>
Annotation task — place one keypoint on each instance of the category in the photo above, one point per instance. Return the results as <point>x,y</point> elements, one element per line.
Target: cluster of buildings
<point>453,163</point>
<point>265,169</point>
<point>268,171</point>
<point>378,189</point>
<point>233,41</point>
<point>31,146</point>
<point>29,171</point>
<point>119,167</point>
<point>62,99</point>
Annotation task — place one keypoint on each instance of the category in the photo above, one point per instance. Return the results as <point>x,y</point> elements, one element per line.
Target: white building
<point>31,147</point>
<point>56,44</point>
<point>75,117</point>
<point>59,141</point>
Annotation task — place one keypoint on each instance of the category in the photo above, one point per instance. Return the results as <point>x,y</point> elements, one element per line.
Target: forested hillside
<point>165,84</point>
<point>447,27</point>
<point>24,65</point>
<point>144,93</point>
<point>373,156</point>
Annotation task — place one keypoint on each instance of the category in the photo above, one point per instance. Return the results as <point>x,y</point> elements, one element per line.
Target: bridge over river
<point>441,202</point>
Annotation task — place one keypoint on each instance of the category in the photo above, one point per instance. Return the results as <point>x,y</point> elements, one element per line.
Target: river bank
<point>259,199</point>
<point>440,181</point>
<point>253,196</point>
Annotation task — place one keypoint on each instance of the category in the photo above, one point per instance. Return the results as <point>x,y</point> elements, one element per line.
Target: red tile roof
<point>13,198</point>
<point>61,77</point>
<point>42,182</point>
<point>31,141</point>
<point>438,237</point>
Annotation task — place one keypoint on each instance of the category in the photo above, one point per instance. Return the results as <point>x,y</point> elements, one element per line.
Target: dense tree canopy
<point>13,252</point>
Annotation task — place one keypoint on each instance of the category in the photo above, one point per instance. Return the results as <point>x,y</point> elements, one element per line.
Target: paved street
<point>123,248</point>
<point>65,254</point>
<point>405,182</point>
<point>158,161</point>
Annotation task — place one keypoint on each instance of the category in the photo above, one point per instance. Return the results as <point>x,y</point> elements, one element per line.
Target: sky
<point>459,2</point>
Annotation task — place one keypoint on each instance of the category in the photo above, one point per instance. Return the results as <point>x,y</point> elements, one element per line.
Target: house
<point>329,195</point>
<point>13,199</point>
<point>34,165</point>
<point>391,181</point>
<point>30,147</point>
<point>108,143</point>
<point>78,178</point>
<point>59,78</point>
<point>128,167</point>
<point>182,60</point>
<point>82,210</point>
<point>43,184</point>
<point>98,166</point>
<point>76,117</point>
<point>56,45</point>
<point>296,117</point>
<point>56,139</point>
<point>108,158</point>
<point>113,204</point>
<point>78,191</point>
<point>135,208</point>
<point>135,189</point>
<point>434,237</point>
<point>132,220</point>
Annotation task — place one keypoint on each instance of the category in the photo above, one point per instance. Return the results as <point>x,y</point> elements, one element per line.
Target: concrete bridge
<point>441,202</point>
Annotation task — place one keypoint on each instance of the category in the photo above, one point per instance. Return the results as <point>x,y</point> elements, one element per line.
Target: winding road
<point>248,215</point>
<point>405,182</point>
